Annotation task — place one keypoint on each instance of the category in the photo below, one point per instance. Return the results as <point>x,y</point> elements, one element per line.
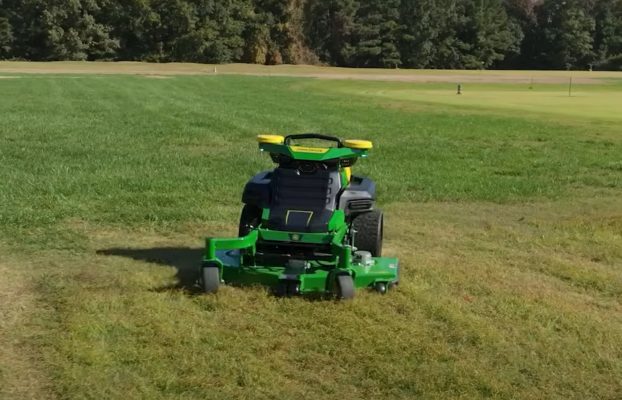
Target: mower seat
<point>303,202</point>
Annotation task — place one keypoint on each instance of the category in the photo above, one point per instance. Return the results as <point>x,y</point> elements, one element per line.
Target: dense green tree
<point>6,31</point>
<point>433,33</point>
<point>363,33</point>
<point>565,34</point>
<point>178,30</point>
<point>492,35</point>
<point>424,28</point>
<point>275,33</point>
<point>329,29</point>
<point>267,32</point>
<point>6,37</point>
<point>375,34</point>
<point>457,34</point>
<point>215,34</point>
<point>296,49</point>
<point>131,22</point>
<point>523,13</point>
<point>60,30</point>
<point>608,38</point>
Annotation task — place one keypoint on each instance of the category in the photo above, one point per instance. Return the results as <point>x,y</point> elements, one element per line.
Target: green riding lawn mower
<point>307,227</point>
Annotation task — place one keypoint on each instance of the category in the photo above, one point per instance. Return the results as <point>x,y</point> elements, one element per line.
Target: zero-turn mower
<point>308,226</point>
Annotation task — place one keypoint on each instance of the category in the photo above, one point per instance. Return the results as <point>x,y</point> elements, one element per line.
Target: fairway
<point>502,204</point>
<point>598,103</point>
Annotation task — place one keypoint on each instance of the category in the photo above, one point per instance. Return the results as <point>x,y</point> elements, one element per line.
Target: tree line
<point>473,34</point>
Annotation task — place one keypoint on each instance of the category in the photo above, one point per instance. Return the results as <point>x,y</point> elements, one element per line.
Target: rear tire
<point>369,232</point>
<point>345,287</point>
<point>250,218</point>
<point>211,279</point>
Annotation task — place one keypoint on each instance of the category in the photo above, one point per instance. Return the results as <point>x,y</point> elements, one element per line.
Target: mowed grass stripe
<point>459,306</point>
<point>438,157</point>
<point>568,103</point>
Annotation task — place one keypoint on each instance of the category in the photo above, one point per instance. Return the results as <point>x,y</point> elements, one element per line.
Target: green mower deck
<point>307,277</point>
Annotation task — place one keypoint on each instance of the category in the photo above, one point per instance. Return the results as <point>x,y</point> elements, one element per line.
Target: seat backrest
<point>303,202</point>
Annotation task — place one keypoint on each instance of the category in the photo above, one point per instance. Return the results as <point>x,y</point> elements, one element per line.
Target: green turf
<point>565,102</point>
<point>503,205</point>
<point>101,148</point>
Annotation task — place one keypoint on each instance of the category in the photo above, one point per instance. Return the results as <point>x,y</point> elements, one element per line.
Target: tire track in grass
<point>21,376</point>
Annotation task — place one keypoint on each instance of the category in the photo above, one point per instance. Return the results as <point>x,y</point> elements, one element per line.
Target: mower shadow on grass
<point>184,259</point>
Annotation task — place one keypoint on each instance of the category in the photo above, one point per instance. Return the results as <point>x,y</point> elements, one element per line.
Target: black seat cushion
<point>303,202</point>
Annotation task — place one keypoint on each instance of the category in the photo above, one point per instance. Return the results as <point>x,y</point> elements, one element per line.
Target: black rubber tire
<point>293,289</point>
<point>369,231</point>
<point>287,288</point>
<point>280,290</point>
<point>381,287</point>
<point>211,279</point>
<point>250,218</point>
<point>345,287</point>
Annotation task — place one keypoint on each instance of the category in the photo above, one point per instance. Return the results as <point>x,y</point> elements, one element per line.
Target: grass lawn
<point>503,205</point>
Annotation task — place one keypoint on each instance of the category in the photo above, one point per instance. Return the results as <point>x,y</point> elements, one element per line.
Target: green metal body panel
<point>317,278</point>
<point>235,259</point>
<point>280,236</point>
<point>312,153</point>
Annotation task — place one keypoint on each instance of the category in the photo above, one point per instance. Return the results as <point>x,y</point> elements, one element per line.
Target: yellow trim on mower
<point>270,139</point>
<point>306,149</point>
<point>348,171</point>
<point>358,144</point>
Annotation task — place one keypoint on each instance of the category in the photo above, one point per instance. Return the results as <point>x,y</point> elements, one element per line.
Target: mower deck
<point>310,276</point>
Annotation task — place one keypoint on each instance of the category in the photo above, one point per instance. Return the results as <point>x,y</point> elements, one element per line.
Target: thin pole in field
<point>570,87</point>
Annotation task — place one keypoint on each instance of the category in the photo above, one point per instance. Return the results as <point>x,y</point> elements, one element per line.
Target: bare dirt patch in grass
<point>415,77</point>
<point>157,77</point>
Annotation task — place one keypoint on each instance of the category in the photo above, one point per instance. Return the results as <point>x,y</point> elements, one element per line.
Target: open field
<point>503,205</point>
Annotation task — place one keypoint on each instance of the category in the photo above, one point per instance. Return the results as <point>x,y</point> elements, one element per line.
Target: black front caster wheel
<point>287,289</point>
<point>381,287</point>
<point>293,289</point>
<point>345,287</point>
